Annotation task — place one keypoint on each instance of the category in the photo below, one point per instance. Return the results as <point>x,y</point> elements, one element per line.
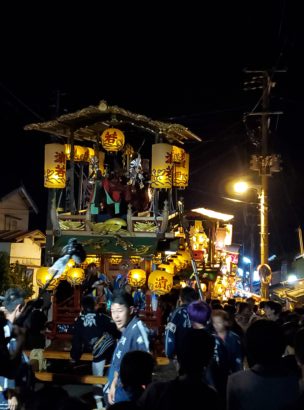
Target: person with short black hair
<point>266,385</point>
<point>134,337</point>
<point>178,322</point>
<point>188,390</point>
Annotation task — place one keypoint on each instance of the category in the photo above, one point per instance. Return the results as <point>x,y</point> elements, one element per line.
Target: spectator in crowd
<point>179,322</point>
<point>14,382</point>
<point>136,374</point>
<point>218,368</point>
<point>232,342</point>
<point>273,311</point>
<point>266,385</point>
<point>188,390</point>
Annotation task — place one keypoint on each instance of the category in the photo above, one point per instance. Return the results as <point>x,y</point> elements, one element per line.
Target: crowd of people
<point>234,356</point>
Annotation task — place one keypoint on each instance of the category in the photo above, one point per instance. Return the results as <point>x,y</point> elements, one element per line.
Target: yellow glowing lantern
<point>168,267</point>
<point>54,166</point>
<point>43,276</point>
<point>181,173</point>
<point>70,264</point>
<point>160,282</point>
<point>75,276</point>
<point>89,154</point>
<point>178,154</point>
<point>185,254</point>
<point>161,174</point>
<point>176,262</point>
<point>79,152</point>
<point>136,277</point>
<point>112,139</point>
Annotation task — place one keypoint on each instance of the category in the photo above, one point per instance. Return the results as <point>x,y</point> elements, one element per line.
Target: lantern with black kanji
<point>181,173</point>
<point>54,166</point>
<point>160,282</point>
<point>161,174</point>
<point>43,276</point>
<point>112,139</point>
<point>136,277</point>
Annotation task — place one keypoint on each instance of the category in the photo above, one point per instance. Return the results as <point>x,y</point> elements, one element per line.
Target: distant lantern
<point>54,166</point>
<point>112,139</point>
<point>169,267</point>
<point>181,173</point>
<point>43,276</point>
<point>75,276</point>
<point>136,277</point>
<point>160,282</point>
<point>79,152</point>
<point>161,174</point>
<point>89,154</point>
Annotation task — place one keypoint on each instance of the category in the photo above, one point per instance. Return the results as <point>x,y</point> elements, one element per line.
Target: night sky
<point>183,65</point>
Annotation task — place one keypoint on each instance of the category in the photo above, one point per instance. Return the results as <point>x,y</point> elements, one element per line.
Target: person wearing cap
<point>12,380</point>
<point>134,337</point>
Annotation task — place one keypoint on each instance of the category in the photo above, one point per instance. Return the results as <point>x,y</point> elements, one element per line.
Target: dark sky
<point>184,64</point>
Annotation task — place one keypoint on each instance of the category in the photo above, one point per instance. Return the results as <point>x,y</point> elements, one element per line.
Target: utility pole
<point>265,164</point>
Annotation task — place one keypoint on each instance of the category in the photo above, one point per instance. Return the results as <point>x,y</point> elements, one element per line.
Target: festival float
<point>114,181</point>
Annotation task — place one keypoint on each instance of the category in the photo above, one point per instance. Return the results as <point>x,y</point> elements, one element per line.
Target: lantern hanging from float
<point>136,277</point>
<point>75,276</point>
<point>79,152</point>
<point>43,276</point>
<point>161,169</point>
<point>112,139</point>
<point>178,154</point>
<point>160,282</point>
<point>54,166</point>
<point>169,267</point>
<point>181,173</point>
<point>89,154</point>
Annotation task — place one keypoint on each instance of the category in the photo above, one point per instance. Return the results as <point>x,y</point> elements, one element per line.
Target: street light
<point>264,269</point>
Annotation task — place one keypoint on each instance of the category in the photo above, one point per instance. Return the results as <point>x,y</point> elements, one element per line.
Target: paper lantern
<point>161,174</point>
<point>79,152</point>
<point>43,275</point>
<point>89,154</point>
<point>54,166</point>
<point>178,154</point>
<point>112,139</point>
<point>160,282</point>
<point>75,276</point>
<point>136,277</point>
<point>168,267</point>
<point>181,173</point>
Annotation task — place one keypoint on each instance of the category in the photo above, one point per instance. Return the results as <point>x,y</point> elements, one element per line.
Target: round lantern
<point>181,173</point>
<point>112,139</point>
<point>54,166</point>
<point>75,276</point>
<point>169,267</point>
<point>43,275</point>
<point>136,277</point>
<point>161,174</point>
<point>160,282</point>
